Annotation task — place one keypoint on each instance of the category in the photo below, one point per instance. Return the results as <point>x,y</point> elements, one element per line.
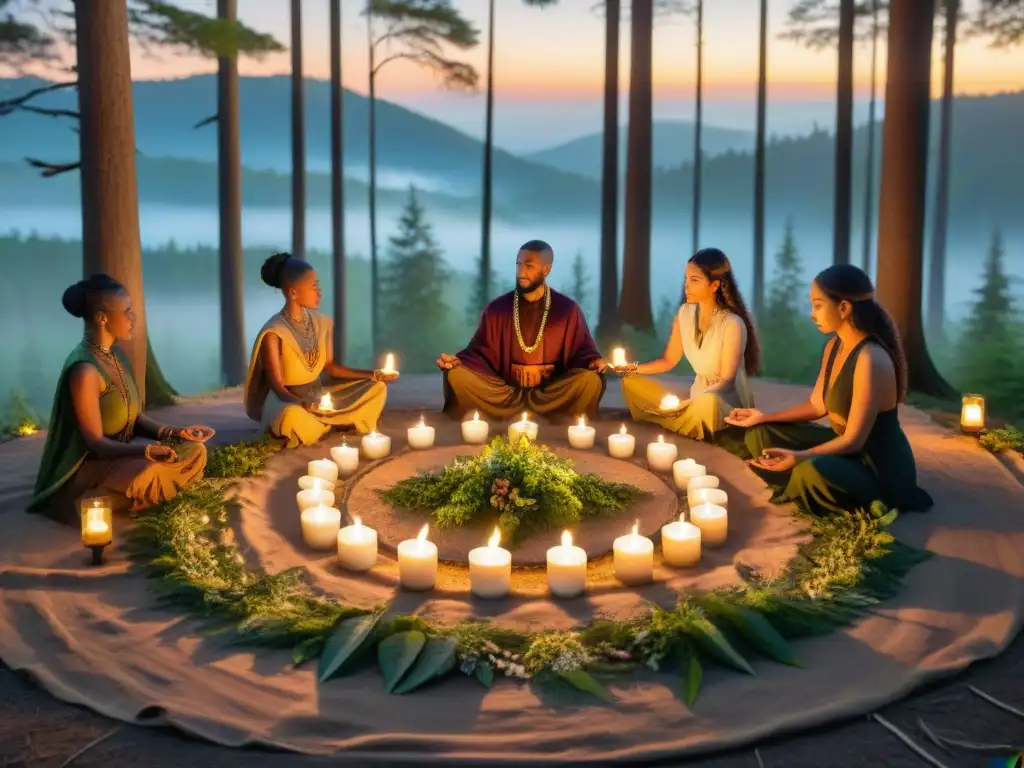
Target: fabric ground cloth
<point>97,637</point>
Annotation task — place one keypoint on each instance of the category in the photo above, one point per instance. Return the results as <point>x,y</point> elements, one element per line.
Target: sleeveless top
<point>704,353</point>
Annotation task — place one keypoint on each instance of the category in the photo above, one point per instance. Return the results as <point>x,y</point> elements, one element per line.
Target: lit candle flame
<point>422,422</point>
<point>96,503</point>
<point>583,422</point>
<point>618,357</point>
<point>636,527</point>
<point>389,363</point>
<point>622,429</point>
<point>661,438</point>
<point>524,417</point>
<point>325,403</point>
<point>476,415</point>
<point>669,403</point>
<point>423,533</point>
<point>495,538</point>
<point>566,539</point>
<point>357,523</point>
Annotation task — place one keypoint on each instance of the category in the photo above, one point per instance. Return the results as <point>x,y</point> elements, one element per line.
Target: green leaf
<point>396,655</point>
<point>755,629</point>
<point>435,660</point>
<point>484,673</point>
<point>713,642</point>
<point>582,680</point>
<point>889,518</point>
<point>307,649</point>
<point>694,677</point>
<point>349,640</point>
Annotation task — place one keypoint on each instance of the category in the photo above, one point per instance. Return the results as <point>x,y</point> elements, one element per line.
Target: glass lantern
<point>972,413</point>
<point>97,524</point>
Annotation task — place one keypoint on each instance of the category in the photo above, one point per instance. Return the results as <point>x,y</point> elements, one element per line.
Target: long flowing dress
<point>702,417</point>
<point>357,402</point>
<point>69,471</point>
<point>883,470</point>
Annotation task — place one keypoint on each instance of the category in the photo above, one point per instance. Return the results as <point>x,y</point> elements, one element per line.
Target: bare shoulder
<point>85,374</point>
<point>875,356</point>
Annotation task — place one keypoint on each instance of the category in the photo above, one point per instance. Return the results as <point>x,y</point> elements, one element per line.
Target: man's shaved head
<point>542,249</point>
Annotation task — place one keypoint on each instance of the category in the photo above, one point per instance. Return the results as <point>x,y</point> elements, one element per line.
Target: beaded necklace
<point>120,386</point>
<point>307,338</point>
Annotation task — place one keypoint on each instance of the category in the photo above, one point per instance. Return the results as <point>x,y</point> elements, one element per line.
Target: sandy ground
<point>38,731</point>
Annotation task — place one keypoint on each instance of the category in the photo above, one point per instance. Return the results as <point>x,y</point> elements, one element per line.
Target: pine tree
<point>416,321</point>
<point>579,288</point>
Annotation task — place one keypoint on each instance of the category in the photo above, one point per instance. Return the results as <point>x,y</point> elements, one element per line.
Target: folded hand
<point>197,433</point>
<point>446,362</point>
<point>745,417</point>
<point>161,453</point>
<point>776,459</point>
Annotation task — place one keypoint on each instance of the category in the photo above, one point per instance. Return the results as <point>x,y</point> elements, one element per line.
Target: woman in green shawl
<point>91,448</point>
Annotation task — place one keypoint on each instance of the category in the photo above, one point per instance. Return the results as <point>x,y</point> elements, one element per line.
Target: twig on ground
<point>908,741</point>
<point>90,745</point>
<point>945,742</point>
<point>996,702</point>
<point>757,754</point>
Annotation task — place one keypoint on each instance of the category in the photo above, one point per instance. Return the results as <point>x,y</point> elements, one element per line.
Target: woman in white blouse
<point>714,331</point>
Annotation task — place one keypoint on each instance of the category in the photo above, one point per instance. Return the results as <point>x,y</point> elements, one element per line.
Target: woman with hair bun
<point>98,412</point>
<point>864,456</point>
<point>713,330</point>
<point>292,353</point>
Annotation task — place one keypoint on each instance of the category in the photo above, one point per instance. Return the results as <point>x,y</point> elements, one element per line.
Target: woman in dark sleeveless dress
<point>864,456</point>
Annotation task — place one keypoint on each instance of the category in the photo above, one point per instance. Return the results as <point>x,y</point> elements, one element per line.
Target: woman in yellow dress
<point>292,366</point>
<point>98,411</point>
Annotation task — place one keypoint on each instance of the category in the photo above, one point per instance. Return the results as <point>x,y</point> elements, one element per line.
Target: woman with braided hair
<point>714,332</point>
<point>98,412</point>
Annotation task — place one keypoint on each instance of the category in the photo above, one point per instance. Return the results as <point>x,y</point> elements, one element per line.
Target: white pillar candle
<point>325,469</point>
<point>475,431</point>
<point>709,496</point>
<point>633,557</point>
<point>490,568</point>
<point>669,403</point>
<point>582,435</point>
<point>326,403</point>
<point>308,482</point>
<point>389,364</point>
<point>357,547</point>
<point>701,481</point>
<point>314,497</point>
<point>661,455</point>
<point>376,445</point>
<point>421,436</point>
<point>417,562</point>
<point>680,543</point>
<point>622,445</point>
<point>522,427</point>
<point>320,526</point>
<point>618,358</point>
<point>567,568</point>
<point>684,469</point>
<point>713,522</point>
<point>346,457</point>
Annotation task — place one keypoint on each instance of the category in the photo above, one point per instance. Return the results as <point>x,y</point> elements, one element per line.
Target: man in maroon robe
<point>531,352</point>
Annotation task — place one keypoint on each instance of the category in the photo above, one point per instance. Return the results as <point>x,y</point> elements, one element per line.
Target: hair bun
<point>272,269</point>
<point>74,299</point>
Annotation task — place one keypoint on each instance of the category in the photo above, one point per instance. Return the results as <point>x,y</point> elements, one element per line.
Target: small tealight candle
<point>680,543</point>
<point>346,457</point>
<point>474,431</point>
<point>325,469</point>
<point>684,469</point>
<point>389,364</point>
<point>701,481</point>
<point>709,496</point>
<point>523,427</point>
<point>972,413</point>
<point>661,455</point>
<point>581,435</point>
<point>618,357</point>
<point>357,547</point>
<point>97,517</point>
<point>622,445</point>
<point>308,482</point>
<point>417,562</point>
<point>567,568</point>
<point>669,403</point>
<point>326,403</point>
<point>633,557</point>
<point>314,496</point>
<point>421,436</point>
<point>320,526</point>
<point>713,522</point>
<point>490,568</point>
<point>376,445</point>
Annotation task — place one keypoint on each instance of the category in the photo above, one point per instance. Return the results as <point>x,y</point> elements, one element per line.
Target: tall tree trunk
<point>229,182</point>
<point>940,214</point>
<point>904,185</point>
<point>374,278</point>
<point>608,315</point>
<point>337,185</point>
<point>762,102</point>
<point>635,306</point>
<point>844,135</point>
<point>698,162</point>
<point>485,224</point>
<point>110,193</point>
<point>298,137</point>
<point>869,170</point>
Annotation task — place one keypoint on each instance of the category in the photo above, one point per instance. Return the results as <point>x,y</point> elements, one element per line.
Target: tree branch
<point>18,102</point>
<point>46,170</point>
<point>206,121</point>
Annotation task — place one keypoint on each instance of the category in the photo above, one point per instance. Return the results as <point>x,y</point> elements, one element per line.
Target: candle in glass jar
<point>490,568</point>
<point>357,547</point>
<point>713,522</point>
<point>96,525</point>
<point>618,358</point>
<point>709,496</point>
<point>376,445</point>
<point>346,457</point>
<point>320,526</point>
<point>622,445</point>
<point>474,431</point>
<point>567,568</point>
<point>680,543</point>
<point>684,469</point>
<point>633,557</point>
<point>306,482</point>
<point>701,481</point>
<point>581,435</point>
<point>523,427</point>
<point>421,436</point>
<point>661,455</point>
<point>314,496</point>
<point>325,469</point>
<point>669,403</point>
<point>417,562</point>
